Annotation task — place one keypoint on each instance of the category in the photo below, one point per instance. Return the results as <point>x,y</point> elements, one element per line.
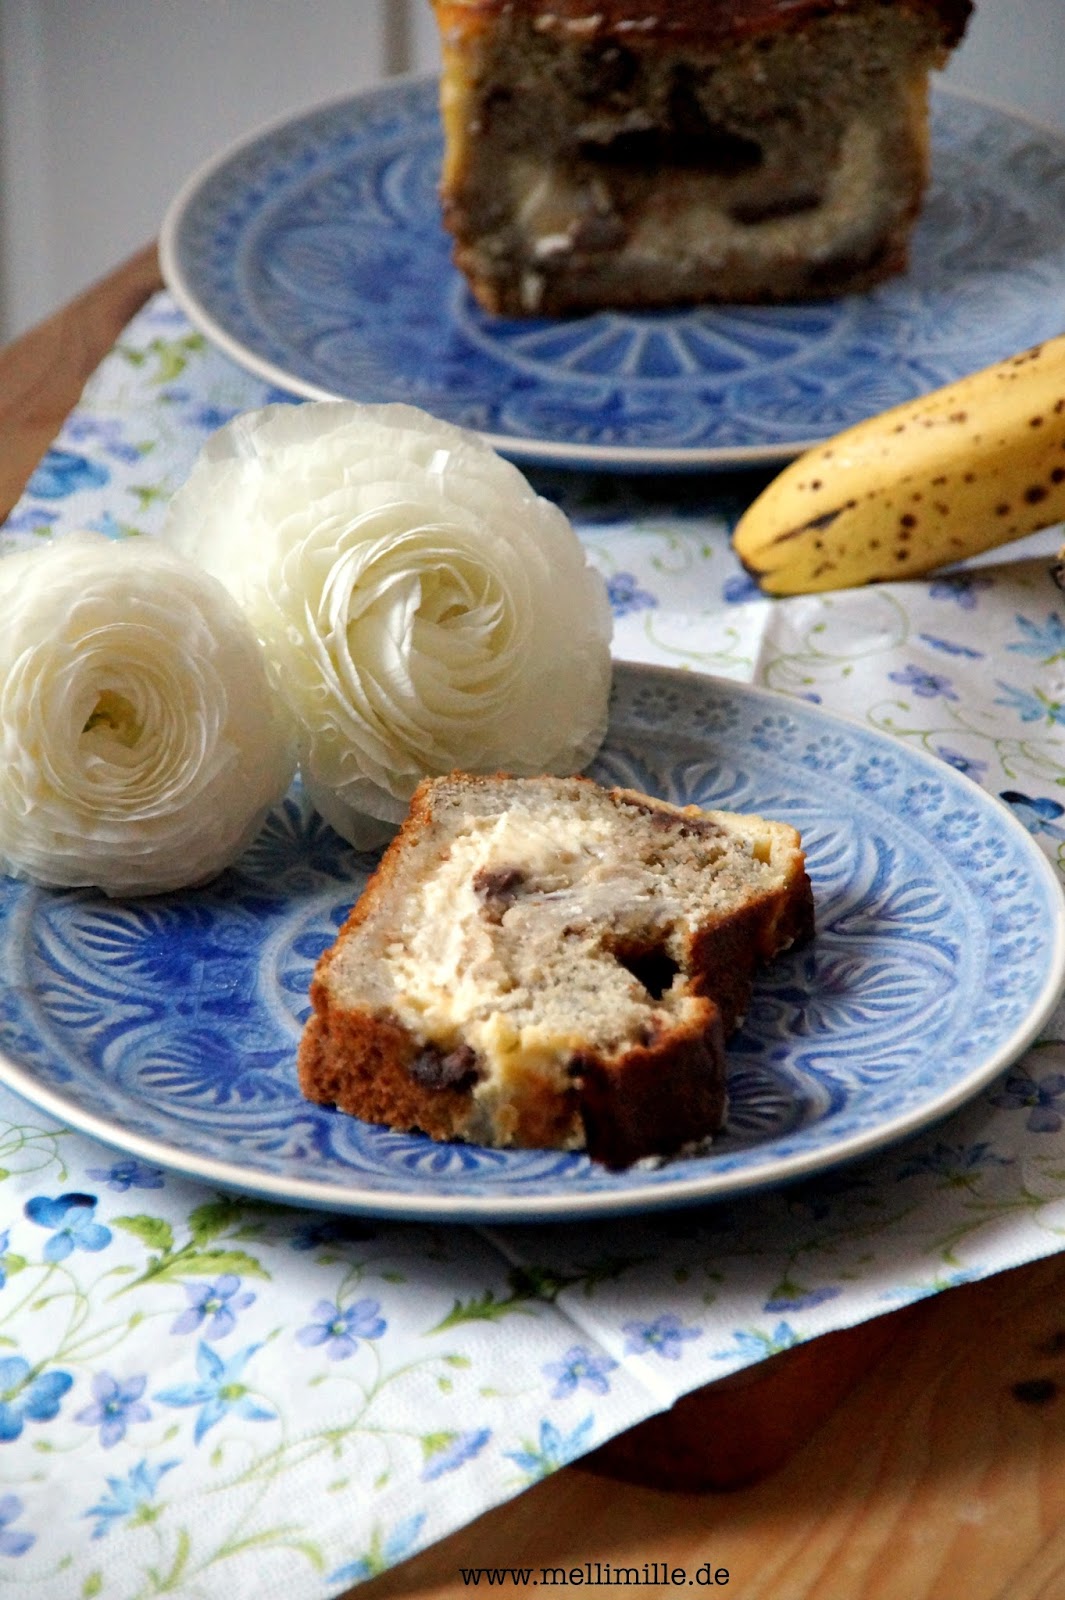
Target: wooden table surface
<point>938,1475</point>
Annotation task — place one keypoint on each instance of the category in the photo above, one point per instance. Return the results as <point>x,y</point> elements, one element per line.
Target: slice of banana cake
<point>543,962</point>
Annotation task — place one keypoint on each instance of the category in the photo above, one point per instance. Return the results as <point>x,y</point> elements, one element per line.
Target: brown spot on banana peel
<point>815,525</point>
<point>855,553</point>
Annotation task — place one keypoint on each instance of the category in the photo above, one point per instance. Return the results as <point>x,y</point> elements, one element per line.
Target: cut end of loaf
<point>638,156</point>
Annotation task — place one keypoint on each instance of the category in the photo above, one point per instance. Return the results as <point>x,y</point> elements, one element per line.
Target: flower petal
<point>140,743</point>
<point>421,607</point>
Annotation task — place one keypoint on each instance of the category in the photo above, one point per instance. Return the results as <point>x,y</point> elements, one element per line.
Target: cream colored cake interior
<point>528,932</point>
<point>691,219</point>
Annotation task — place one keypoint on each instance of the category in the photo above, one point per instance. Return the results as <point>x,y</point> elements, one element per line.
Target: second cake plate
<point>313,254</point>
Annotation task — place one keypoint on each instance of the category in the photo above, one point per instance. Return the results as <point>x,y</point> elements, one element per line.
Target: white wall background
<point>107,106</point>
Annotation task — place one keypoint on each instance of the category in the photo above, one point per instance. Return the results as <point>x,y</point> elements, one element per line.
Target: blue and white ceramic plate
<point>313,254</point>
<point>169,1027</point>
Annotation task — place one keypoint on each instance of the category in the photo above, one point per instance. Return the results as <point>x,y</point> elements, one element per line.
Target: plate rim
<point>569,1206</point>
<point>523,449</point>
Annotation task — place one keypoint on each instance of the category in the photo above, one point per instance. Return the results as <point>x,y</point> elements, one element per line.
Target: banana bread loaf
<point>659,152</point>
<point>543,962</point>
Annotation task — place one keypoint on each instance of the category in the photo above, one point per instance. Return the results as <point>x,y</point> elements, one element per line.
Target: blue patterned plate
<point>313,254</point>
<point>169,1027</point>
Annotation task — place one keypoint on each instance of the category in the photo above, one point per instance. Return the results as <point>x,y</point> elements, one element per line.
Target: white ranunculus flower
<point>140,742</point>
<point>422,608</point>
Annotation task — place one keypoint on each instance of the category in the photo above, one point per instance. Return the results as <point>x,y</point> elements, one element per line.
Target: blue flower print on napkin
<point>580,1368</point>
<point>1044,641</point>
<point>625,594</point>
<point>208,419</point>
<point>1039,814</point>
<point>108,433</point>
<point>13,1541</point>
<point>927,685</point>
<point>384,1551</point>
<point>664,1337</point>
<point>127,1174</point>
<point>444,1452</point>
<point>1043,1098</point>
<point>554,1449</point>
<point>129,1499</point>
<point>216,1304</point>
<point>61,473</point>
<point>117,1404</point>
<point>1031,706</point>
<point>219,1391</point>
<point>28,1398</point>
<point>29,518</point>
<point>71,1218</point>
<point>950,647</point>
<point>955,1164</point>
<point>340,1329</point>
<point>905,1294</point>
<point>969,765</point>
<point>751,1344</point>
<point>961,587</point>
<point>740,588</point>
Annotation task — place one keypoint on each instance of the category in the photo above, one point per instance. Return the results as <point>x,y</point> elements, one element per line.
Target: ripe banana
<point>967,467</point>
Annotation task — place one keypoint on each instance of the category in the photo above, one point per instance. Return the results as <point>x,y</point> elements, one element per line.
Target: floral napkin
<point>207,1395</point>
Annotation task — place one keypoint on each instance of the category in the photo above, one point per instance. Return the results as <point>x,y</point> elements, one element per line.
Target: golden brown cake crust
<point>662,1089</point>
<point>650,1100</point>
<point>361,1061</point>
<point>713,22</point>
